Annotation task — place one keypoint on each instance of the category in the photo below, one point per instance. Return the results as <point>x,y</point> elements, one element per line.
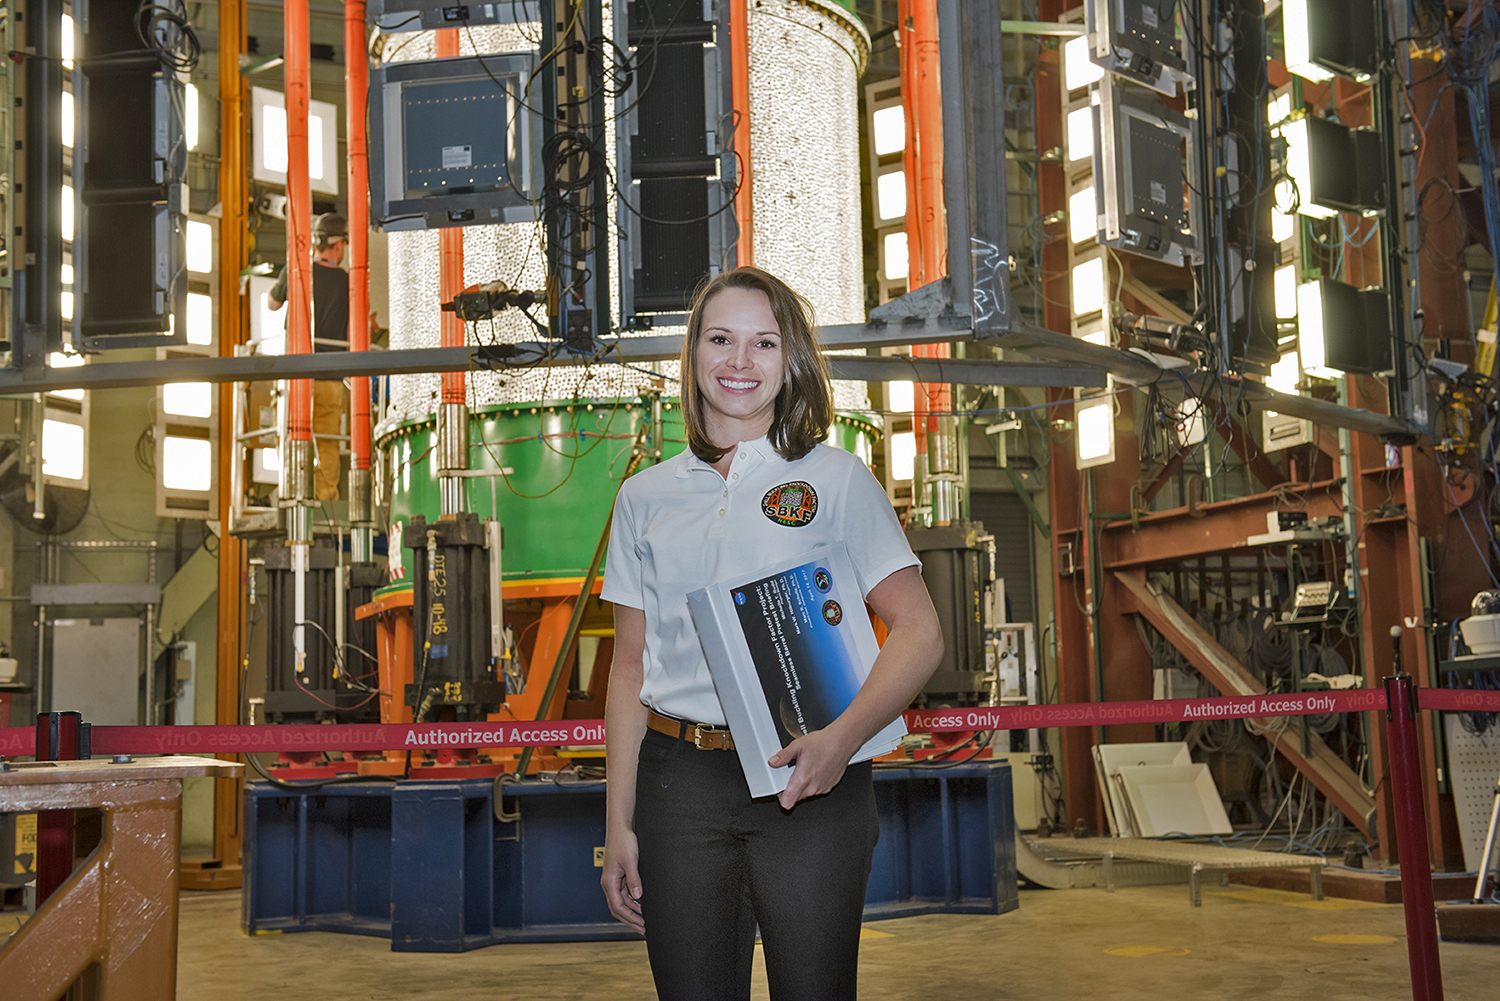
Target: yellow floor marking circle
<point>1287,898</point>
<point>1146,950</point>
<point>1355,939</point>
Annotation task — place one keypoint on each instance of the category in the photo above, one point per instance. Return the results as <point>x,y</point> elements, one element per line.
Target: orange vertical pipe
<point>233,323</point>
<point>298,213</point>
<point>739,89</point>
<point>926,229</point>
<point>451,262</point>
<point>356,93</point>
<point>929,108</point>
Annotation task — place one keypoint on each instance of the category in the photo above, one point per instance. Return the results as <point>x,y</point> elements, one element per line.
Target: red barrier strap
<point>20,740</point>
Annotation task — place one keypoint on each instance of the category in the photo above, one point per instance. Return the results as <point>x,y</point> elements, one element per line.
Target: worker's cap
<point>330,226</point>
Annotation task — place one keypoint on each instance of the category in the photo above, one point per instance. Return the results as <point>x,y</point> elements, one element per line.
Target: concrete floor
<point>1139,943</point>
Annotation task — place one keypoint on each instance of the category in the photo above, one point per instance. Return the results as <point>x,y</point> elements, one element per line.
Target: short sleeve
<point>875,539</point>
<point>279,290</point>
<point>622,567</point>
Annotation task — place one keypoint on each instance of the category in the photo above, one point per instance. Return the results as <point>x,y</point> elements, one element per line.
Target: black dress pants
<point>714,863</point>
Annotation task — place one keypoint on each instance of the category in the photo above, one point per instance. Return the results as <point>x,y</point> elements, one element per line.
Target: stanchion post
<point>59,737</point>
<point>1411,834</point>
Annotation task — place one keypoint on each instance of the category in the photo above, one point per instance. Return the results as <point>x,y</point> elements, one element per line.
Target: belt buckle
<point>699,729</point>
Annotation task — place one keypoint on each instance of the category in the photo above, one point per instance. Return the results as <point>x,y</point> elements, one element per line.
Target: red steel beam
<point>1222,527</point>
<point>297,70</point>
<point>356,91</point>
<point>451,262</point>
<point>739,91</point>
<point>1075,675</point>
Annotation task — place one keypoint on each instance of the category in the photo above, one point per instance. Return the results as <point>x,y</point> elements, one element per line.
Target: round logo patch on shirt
<point>791,504</point>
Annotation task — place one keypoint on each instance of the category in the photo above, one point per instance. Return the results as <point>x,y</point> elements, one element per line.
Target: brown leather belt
<point>704,736</point>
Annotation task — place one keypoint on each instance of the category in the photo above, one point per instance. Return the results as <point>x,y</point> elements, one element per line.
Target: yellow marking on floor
<point>1286,898</point>
<point>1356,939</point>
<point>1139,951</point>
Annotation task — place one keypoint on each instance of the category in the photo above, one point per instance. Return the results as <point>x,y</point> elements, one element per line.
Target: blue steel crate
<point>323,860</point>
<point>947,841</point>
<point>317,860</point>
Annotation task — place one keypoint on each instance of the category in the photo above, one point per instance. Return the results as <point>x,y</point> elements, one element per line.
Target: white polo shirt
<point>679,526</point>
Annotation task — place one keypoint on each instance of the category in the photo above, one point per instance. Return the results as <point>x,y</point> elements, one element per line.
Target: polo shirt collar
<point>761,447</point>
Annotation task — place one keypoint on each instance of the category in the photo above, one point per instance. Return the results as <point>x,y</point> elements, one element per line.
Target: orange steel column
<point>234,197</point>
<point>451,243</point>
<point>356,95</point>
<point>926,228</point>
<point>739,89</point>
<point>298,215</point>
<point>929,109</point>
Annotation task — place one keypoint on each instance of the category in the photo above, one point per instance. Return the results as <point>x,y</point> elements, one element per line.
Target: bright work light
<point>1095,423</point>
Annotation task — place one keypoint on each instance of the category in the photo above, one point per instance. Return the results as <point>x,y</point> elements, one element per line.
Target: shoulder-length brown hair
<point>804,406</point>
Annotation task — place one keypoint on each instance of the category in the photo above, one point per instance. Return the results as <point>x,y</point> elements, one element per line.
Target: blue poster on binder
<point>788,647</point>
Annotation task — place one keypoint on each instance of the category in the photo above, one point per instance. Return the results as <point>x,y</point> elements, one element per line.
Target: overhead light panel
<point>889,129</point>
<point>1090,294</point>
<point>269,140</point>
<point>890,196</point>
<point>187,399</point>
<point>60,359</point>
<point>1325,38</point>
<point>1094,421</point>
<point>896,264</point>
<point>1083,214</point>
<point>1285,282</point>
<point>200,247</point>
<point>190,113</point>
<point>1335,168</point>
<point>1080,129</point>
<point>187,463</point>
<point>200,318</point>
<point>1342,329</point>
<point>63,450</point>
<point>1078,69</point>
<point>903,455</point>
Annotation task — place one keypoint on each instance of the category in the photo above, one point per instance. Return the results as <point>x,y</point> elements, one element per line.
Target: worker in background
<point>330,331</point>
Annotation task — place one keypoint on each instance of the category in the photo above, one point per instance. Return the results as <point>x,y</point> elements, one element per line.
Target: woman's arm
<point>625,725</point>
<point>912,651</point>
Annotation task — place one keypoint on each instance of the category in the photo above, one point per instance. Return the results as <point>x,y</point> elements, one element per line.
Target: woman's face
<point>740,367</point>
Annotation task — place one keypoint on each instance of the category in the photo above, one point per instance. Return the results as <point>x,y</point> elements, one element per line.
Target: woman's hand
<point>622,879</point>
<point>821,758</point>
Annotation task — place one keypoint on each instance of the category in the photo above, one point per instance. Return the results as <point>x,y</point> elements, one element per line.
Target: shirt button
<point>742,455</point>
<point>726,493</point>
<point>721,512</point>
<point>734,476</point>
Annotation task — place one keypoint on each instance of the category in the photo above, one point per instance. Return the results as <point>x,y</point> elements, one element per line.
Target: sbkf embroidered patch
<point>792,504</point>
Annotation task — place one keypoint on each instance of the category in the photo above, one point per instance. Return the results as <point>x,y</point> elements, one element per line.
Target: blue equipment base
<point>428,865</point>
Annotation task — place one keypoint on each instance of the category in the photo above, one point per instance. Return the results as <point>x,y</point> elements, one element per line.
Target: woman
<point>690,859</point>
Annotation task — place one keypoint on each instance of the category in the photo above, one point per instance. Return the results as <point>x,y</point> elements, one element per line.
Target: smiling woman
<point>691,859</point>
<point>757,368</point>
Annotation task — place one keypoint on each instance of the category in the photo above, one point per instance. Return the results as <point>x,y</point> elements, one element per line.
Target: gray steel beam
<point>963,371</point>
<point>96,594</point>
<point>1124,365</point>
